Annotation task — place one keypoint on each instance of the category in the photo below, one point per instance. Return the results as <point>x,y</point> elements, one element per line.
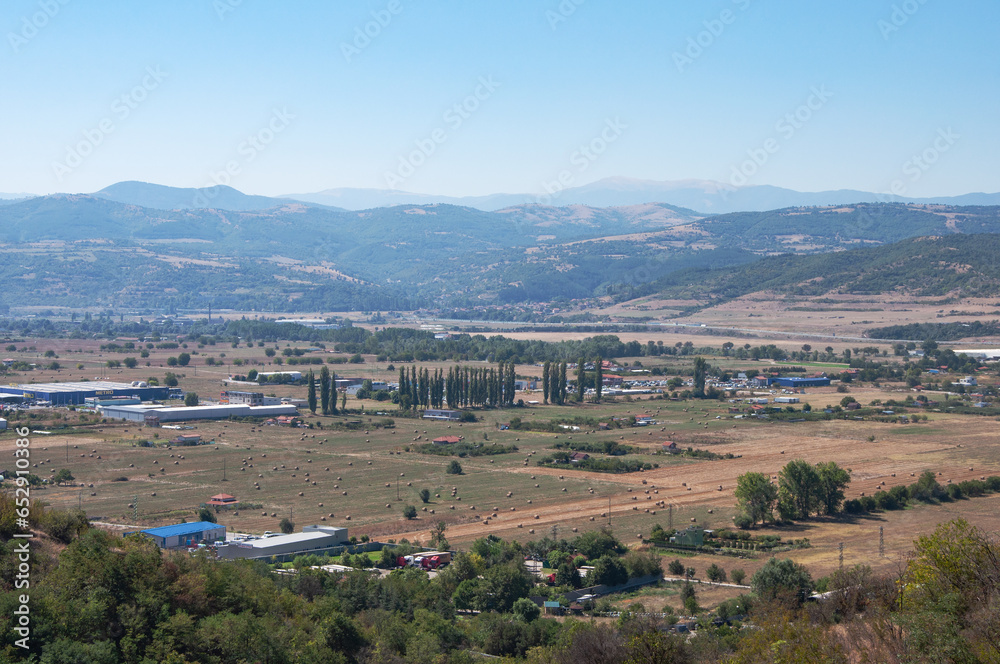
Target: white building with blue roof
<point>185,534</point>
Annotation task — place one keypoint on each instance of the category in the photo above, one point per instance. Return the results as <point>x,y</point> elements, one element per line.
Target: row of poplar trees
<point>461,387</point>
<point>554,380</point>
<point>327,391</point>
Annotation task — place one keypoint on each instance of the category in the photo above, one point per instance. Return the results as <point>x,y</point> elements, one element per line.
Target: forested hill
<point>78,250</point>
<point>965,265</point>
<point>814,229</point>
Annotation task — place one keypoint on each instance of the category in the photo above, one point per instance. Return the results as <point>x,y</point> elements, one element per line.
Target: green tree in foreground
<point>191,399</point>
<point>797,484</point>
<point>833,480</point>
<point>410,512</point>
<point>205,514</point>
<point>756,496</point>
<point>781,577</point>
<point>286,526</point>
<point>454,468</point>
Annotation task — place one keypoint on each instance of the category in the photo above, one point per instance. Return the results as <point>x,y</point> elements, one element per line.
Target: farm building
<point>185,534</point>
<point>786,399</point>
<point>155,415</point>
<point>447,440</point>
<point>3,424</point>
<point>792,382</point>
<point>312,539</point>
<point>690,536</point>
<point>452,415</point>
<point>222,500</point>
<point>76,394</point>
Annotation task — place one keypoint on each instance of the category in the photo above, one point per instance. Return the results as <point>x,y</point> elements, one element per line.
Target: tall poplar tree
<point>599,378</point>
<point>324,390</point>
<point>546,370</point>
<point>311,391</point>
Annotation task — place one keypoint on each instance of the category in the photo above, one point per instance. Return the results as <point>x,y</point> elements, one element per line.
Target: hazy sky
<point>472,97</point>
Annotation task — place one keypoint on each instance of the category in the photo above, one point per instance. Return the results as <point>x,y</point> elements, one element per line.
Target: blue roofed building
<point>185,534</point>
<point>793,382</point>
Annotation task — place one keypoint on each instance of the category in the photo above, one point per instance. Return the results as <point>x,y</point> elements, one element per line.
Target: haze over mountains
<point>702,196</point>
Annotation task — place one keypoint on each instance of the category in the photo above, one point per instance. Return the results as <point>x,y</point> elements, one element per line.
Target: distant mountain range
<point>703,196</point>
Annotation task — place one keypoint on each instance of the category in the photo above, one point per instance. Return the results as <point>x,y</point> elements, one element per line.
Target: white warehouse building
<point>160,414</point>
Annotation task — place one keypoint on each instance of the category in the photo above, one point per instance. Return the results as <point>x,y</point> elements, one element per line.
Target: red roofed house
<point>577,457</point>
<point>447,440</point>
<point>671,448</point>
<point>222,500</point>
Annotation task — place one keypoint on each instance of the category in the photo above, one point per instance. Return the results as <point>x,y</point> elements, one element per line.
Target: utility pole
<point>881,543</point>
<point>841,547</point>
<point>223,470</point>
<point>135,507</point>
<point>609,511</point>
<point>670,516</point>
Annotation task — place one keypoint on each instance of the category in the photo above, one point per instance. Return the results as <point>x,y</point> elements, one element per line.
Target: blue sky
<point>278,98</point>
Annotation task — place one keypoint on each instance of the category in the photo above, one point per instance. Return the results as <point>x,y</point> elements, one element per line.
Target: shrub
<point>715,573</point>
<point>286,526</point>
<point>454,468</point>
<point>425,495</point>
<point>410,512</point>
<point>676,567</point>
<point>738,575</point>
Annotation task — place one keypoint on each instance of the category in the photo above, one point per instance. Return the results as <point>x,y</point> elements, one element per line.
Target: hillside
<point>959,264</point>
<point>79,249</point>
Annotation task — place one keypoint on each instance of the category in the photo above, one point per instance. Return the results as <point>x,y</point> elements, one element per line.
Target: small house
<point>222,500</point>
<point>447,440</point>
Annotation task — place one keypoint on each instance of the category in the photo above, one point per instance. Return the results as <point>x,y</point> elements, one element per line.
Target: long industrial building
<point>155,414</point>
<point>76,394</point>
<point>312,539</point>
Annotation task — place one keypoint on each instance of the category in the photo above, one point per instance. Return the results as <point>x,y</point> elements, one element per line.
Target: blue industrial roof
<point>181,529</point>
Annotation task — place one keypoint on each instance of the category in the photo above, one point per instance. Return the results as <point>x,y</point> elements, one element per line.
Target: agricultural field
<point>360,469</point>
